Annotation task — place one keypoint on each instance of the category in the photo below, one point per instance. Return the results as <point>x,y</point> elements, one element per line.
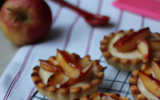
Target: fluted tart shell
<point>68,93</point>
<point>119,63</point>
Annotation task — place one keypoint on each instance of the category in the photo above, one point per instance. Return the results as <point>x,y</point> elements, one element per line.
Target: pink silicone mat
<point>149,8</point>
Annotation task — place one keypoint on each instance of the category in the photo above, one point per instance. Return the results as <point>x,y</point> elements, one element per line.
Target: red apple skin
<point>29,30</point>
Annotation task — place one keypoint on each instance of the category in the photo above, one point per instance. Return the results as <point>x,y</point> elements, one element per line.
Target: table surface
<point>7,51</point>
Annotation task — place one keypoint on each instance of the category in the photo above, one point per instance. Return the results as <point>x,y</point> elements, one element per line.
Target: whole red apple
<point>25,21</point>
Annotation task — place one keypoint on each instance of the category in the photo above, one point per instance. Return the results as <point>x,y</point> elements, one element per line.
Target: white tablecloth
<point>70,32</point>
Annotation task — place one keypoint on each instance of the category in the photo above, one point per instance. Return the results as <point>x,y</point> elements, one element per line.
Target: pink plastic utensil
<point>89,18</point>
<point>149,8</point>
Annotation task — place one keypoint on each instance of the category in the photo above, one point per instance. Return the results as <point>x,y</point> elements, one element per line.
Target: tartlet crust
<point>119,63</point>
<point>133,84</point>
<point>69,92</point>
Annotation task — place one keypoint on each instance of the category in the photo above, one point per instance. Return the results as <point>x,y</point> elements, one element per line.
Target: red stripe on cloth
<point>30,95</point>
<point>19,73</point>
<point>92,29</point>
<point>99,7</point>
<point>55,18</point>
<point>70,29</point>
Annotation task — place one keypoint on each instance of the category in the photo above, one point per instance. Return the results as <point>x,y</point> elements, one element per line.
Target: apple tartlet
<point>67,76</point>
<point>128,50</point>
<point>103,96</point>
<point>145,83</point>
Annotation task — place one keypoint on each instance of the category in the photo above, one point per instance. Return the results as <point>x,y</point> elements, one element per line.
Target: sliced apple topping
<point>86,69</point>
<point>52,60</point>
<point>57,79</point>
<point>148,71</point>
<point>129,41</point>
<point>45,75</point>
<point>76,57</point>
<point>150,83</point>
<point>143,48</point>
<point>83,98</point>
<point>68,64</point>
<point>82,77</point>
<point>154,45</point>
<point>104,96</point>
<point>85,61</point>
<point>66,70</point>
<point>156,69</point>
<point>112,96</point>
<point>95,96</point>
<point>46,65</point>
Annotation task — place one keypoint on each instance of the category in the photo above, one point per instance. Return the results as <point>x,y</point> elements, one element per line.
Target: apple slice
<point>143,48</point>
<point>57,79</point>
<point>104,96</point>
<point>86,70</point>
<point>82,76</point>
<point>148,71</point>
<point>68,64</point>
<point>151,84</point>
<point>129,41</point>
<point>83,98</point>
<point>52,60</point>
<point>154,45</point>
<point>95,96</point>
<point>110,96</point>
<point>46,65</point>
<point>45,75</point>
<point>68,83</point>
<point>76,57</point>
<point>84,62</point>
<point>156,69</point>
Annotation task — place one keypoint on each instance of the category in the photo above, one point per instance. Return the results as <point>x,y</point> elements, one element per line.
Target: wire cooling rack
<point>115,81</point>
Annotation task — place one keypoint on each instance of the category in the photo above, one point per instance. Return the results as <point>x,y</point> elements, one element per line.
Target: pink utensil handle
<point>149,8</point>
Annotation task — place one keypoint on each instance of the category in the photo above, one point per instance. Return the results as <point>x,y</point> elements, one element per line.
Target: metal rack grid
<point>115,81</point>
